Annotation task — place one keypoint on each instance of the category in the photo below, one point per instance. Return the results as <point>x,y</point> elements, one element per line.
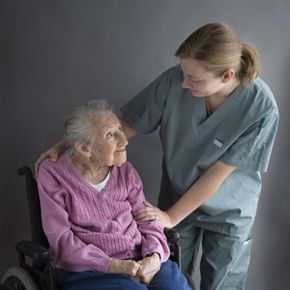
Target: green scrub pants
<point>224,261</point>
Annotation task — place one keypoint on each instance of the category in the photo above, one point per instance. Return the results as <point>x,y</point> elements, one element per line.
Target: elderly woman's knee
<point>170,277</point>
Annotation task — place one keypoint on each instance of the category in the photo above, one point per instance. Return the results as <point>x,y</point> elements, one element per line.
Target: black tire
<point>17,278</point>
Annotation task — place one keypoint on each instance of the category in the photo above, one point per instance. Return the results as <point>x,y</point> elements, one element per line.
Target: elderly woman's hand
<point>149,267</point>
<point>51,153</point>
<point>152,213</point>
<point>128,267</point>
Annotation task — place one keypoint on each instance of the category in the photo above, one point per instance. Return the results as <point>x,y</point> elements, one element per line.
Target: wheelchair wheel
<point>17,278</point>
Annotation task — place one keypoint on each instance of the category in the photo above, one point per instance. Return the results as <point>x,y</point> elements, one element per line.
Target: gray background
<point>57,54</point>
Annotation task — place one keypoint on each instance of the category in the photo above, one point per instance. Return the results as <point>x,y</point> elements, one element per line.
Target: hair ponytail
<point>250,63</point>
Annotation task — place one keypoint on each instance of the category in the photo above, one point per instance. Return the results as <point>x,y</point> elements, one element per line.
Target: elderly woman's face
<point>110,144</point>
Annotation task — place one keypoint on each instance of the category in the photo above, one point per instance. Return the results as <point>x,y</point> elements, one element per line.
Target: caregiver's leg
<point>96,281</point>
<point>169,277</point>
<point>225,261</point>
<point>189,242</point>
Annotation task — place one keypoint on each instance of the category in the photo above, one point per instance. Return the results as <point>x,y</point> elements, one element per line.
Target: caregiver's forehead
<point>193,67</point>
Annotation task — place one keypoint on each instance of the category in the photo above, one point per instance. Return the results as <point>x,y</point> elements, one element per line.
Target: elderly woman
<point>87,198</point>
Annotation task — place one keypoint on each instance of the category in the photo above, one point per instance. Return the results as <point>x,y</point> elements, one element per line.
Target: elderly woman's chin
<point>121,158</point>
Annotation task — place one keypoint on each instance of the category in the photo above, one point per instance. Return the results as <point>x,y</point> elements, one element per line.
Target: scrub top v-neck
<point>240,132</point>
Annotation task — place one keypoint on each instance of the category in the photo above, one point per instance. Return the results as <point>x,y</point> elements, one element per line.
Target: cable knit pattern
<point>86,228</point>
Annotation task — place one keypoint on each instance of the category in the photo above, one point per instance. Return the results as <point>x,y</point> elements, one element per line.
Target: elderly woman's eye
<point>109,135</point>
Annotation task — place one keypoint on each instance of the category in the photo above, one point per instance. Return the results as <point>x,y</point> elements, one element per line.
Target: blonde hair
<point>218,48</point>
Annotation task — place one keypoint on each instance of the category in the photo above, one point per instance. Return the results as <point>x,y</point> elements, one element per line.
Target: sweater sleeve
<point>70,252</point>
<point>153,237</point>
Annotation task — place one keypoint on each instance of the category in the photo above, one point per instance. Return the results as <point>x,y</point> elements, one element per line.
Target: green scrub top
<point>240,132</point>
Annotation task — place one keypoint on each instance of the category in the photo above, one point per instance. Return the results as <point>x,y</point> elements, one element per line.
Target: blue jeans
<point>168,278</point>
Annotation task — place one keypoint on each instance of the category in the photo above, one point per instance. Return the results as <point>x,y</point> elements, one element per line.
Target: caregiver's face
<point>199,81</point>
<point>110,143</point>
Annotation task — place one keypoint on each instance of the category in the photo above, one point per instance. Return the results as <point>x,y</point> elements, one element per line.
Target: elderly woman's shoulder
<point>48,163</point>
<point>126,166</point>
<point>128,169</point>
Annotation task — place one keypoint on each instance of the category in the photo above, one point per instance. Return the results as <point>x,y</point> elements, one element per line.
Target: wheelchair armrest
<point>172,239</point>
<point>32,250</point>
<point>172,235</point>
<point>35,259</point>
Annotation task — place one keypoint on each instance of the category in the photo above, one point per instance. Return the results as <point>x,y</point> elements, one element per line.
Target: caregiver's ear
<point>228,75</point>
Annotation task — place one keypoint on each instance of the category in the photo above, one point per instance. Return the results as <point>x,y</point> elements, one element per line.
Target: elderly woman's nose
<point>122,139</point>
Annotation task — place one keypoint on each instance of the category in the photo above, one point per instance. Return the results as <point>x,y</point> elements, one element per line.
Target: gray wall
<point>57,54</point>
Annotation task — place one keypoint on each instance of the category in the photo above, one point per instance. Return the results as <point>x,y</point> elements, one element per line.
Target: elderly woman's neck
<point>92,172</point>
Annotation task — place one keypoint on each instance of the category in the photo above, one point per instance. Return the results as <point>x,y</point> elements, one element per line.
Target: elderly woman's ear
<point>83,149</point>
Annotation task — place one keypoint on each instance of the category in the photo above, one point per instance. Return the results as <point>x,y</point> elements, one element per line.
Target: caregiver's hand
<point>51,153</point>
<point>151,213</point>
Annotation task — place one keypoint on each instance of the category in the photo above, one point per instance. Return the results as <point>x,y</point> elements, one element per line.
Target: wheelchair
<point>35,269</point>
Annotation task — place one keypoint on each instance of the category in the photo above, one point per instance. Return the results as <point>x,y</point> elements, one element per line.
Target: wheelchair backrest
<point>37,233</point>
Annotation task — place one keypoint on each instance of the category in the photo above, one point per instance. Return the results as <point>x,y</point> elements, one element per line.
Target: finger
<point>153,271</point>
<point>148,270</point>
<point>143,272</point>
<point>148,277</point>
<point>150,264</point>
<point>38,162</point>
<point>146,209</point>
<point>130,267</point>
<point>148,204</point>
<point>36,167</point>
<point>53,155</point>
<point>147,218</point>
<point>144,213</point>
<point>140,211</point>
<point>134,269</point>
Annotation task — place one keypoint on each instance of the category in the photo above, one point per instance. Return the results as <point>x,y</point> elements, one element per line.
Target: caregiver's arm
<point>194,197</point>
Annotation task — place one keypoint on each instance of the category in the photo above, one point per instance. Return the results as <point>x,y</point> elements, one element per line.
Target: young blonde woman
<point>217,122</point>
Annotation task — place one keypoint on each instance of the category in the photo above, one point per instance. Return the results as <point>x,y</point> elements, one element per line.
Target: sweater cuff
<point>104,266</point>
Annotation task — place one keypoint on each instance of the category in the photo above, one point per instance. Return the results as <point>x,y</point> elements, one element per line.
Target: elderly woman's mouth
<point>121,150</point>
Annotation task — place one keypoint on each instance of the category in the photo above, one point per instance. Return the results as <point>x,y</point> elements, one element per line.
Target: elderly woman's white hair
<point>80,126</point>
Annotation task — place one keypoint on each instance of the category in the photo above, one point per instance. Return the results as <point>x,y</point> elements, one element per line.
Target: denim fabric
<point>168,278</point>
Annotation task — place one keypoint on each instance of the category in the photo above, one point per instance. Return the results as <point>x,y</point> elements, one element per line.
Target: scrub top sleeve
<point>143,113</point>
<point>252,150</point>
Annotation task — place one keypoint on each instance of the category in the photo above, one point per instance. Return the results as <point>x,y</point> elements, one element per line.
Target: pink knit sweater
<point>86,228</point>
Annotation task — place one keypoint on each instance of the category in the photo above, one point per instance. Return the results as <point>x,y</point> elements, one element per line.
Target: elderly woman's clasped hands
<point>143,270</point>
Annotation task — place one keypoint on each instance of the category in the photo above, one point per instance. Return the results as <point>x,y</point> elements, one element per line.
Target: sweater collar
<point>68,165</point>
